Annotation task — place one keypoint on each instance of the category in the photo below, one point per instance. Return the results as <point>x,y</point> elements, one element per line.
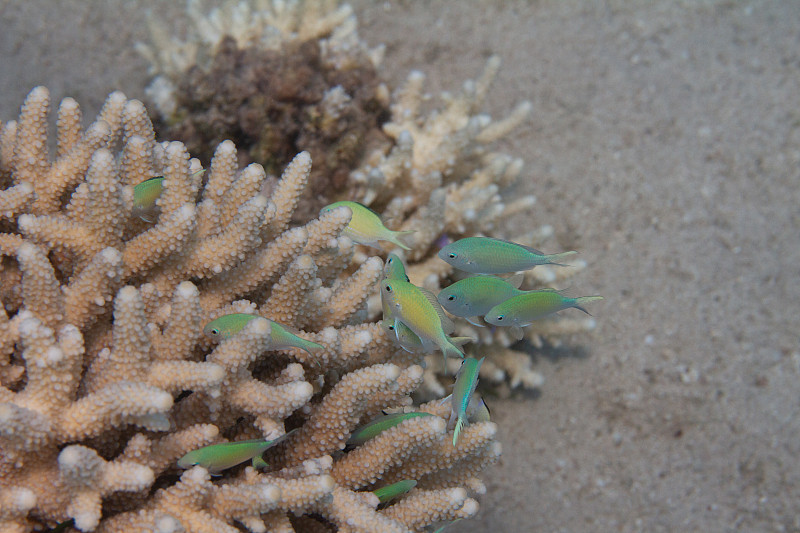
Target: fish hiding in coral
<point>145,195</point>
<point>522,310</point>
<point>471,298</point>
<point>390,492</point>
<point>377,425</point>
<point>466,381</point>
<point>366,227</point>
<point>219,457</point>
<point>484,255</point>
<point>281,336</point>
<point>420,311</point>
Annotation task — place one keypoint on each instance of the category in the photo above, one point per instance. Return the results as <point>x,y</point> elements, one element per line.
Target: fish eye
<point>452,255</point>
<point>389,261</point>
<point>388,288</point>
<point>451,297</point>
<point>215,331</point>
<point>500,317</point>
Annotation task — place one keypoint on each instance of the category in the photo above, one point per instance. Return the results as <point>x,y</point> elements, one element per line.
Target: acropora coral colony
<point>106,377</point>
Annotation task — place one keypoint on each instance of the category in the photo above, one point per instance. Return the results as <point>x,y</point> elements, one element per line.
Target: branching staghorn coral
<point>433,172</point>
<point>106,379</point>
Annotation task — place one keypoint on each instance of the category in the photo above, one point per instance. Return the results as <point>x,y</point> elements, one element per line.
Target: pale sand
<point>665,146</point>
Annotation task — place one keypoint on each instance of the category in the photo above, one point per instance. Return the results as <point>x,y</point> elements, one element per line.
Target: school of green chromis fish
<point>413,315</point>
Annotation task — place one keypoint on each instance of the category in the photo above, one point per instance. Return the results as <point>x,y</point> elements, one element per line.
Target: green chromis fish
<point>420,311</point>
<point>219,457</point>
<point>466,381</point>
<point>366,228</point>
<point>408,340</point>
<point>227,326</point>
<point>484,255</point>
<point>146,194</point>
<point>394,268</point>
<point>472,297</point>
<point>378,425</point>
<point>390,492</point>
<point>522,310</point>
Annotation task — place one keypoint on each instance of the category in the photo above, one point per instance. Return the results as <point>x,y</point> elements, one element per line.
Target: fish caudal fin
<point>400,238</point>
<point>461,341</point>
<point>451,350</point>
<point>585,299</point>
<point>554,258</point>
<point>458,428</point>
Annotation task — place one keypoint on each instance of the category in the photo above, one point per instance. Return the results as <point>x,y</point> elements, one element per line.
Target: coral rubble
<point>106,379</point>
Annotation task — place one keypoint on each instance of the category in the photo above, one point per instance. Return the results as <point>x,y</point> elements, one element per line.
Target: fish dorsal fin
<point>447,324</point>
<point>530,249</point>
<point>516,280</point>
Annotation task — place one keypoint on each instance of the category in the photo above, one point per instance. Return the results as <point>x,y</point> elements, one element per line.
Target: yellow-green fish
<point>281,336</point>
<point>466,381</point>
<point>523,309</point>
<point>390,492</point>
<point>484,255</point>
<point>377,425</point>
<point>366,228</point>
<point>145,195</point>
<point>472,297</point>
<point>420,311</point>
<point>218,457</point>
<point>394,268</point>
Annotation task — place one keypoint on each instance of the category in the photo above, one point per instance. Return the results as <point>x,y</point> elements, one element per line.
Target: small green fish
<point>466,381</point>
<point>145,195</point>
<point>390,492</point>
<point>472,297</point>
<point>377,425</point>
<point>282,337</point>
<point>484,255</point>
<point>420,311</point>
<point>366,228</point>
<point>394,268</point>
<point>522,310</point>
<point>218,457</point>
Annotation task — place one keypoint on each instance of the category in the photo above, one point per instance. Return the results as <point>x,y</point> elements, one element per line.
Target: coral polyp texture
<point>429,169</point>
<point>106,378</point>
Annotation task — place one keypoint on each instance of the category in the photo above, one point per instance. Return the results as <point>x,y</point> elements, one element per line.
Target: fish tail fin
<point>585,299</point>
<point>400,238</point>
<point>450,349</point>
<point>458,428</point>
<point>460,341</point>
<point>554,258</point>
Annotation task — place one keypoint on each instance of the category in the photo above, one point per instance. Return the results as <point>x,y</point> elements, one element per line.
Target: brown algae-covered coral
<point>106,379</point>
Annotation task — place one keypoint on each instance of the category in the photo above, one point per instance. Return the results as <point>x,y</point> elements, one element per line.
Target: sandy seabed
<point>665,146</point>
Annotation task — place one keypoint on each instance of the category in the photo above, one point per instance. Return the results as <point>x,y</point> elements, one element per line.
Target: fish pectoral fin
<point>516,280</point>
<point>517,332</point>
<point>476,321</point>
